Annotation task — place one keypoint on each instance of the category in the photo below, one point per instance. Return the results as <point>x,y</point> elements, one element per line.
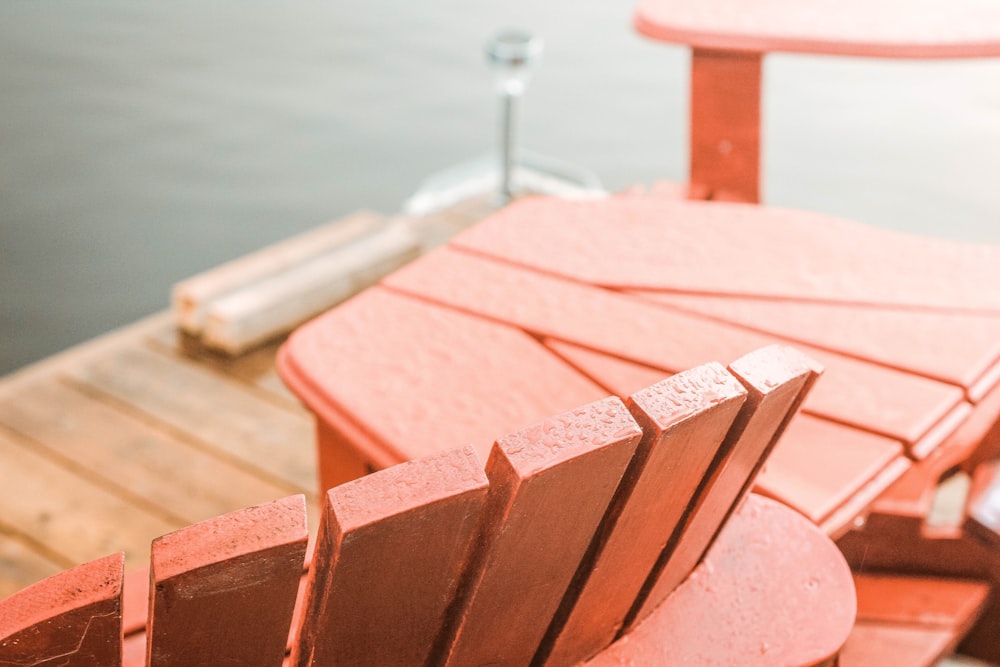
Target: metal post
<point>511,52</point>
<point>508,105</point>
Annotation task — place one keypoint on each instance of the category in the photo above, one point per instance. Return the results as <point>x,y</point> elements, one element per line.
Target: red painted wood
<point>880,644</point>
<point>886,543</point>
<point>815,469</point>
<point>550,487</point>
<point>223,590</point>
<point>838,522</point>
<point>959,348</point>
<point>341,447</point>
<point>843,492</point>
<point>889,28</point>
<point>981,641</point>
<point>983,505</point>
<point>940,431</point>
<point>437,368</point>
<point>135,601</point>
<point>911,496</point>
<point>72,618</point>
<point>726,612</point>
<point>879,399</point>
<point>685,420</point>
<point>891,546</point>
<point>300,604</point>
<point>979,435</point>
<point>616,375</point>
<point>777,380</point>
<point>134,650</point>
<point>388,557</point>
<point>585,316</point>
<point>926,601</point>
<point>909,499</point>
<point>736,249</point>
<point>729,41</point>
<point>725,124</point>
<point>919,613</point>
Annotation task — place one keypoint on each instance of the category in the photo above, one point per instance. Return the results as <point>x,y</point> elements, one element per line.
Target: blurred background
<point>143,142</point>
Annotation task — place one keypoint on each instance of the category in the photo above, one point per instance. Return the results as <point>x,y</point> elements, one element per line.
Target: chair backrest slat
<point>74,617</point>
<point>550,486</point>
<point>223,590</point>
<point>777,380</point>
<point>388,558</point>
<point>685,419</point>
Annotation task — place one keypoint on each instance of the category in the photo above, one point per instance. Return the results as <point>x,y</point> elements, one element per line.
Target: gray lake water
<point>143,142</point>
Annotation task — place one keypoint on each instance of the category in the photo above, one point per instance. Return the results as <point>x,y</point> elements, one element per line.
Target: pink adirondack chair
<point>550,304</point>
<point>577,542</point>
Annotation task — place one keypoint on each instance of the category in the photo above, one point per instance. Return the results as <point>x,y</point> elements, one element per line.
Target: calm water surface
<point>142,142</point>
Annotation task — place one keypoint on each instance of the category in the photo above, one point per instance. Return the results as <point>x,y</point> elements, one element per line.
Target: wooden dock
<point>137,433</point>
<point>131,436</point>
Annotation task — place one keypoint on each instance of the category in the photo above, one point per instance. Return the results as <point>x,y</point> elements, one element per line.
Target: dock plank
<point>71,516</point>
<point>253,367</point>
<point>117,450</point>
<point>229,418</point>
<point>20,563</point>
<point>157,467</point>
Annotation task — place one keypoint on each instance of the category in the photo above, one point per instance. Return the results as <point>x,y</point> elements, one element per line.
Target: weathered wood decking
<point>139,432</point>
<point>125,438</point>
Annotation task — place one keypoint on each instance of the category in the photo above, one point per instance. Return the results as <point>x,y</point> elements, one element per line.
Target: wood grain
<point>224,416</point>
<point>76,518</point>
<point>222,591</point>
<point>115,450</point>
<point>388,558</point>
<point>551,484</point>
<point>777,380</point>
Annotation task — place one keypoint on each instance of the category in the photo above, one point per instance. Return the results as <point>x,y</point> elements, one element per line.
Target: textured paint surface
<point>958,348</point>
<point>725,612</point>
<point>684,419</point>
<point>777,380</point>
<point>388,557</point>
<point>618,376</point>
<point>550,487</point>
<point>550,300</point>
<point>72,618</point>
<point>865,395</point>
<point>818,466</point>
<point>738,249</point>
<point>423,379</point>
<point>223,590</point>
<point>907,503</point>
<point>824,493</point>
